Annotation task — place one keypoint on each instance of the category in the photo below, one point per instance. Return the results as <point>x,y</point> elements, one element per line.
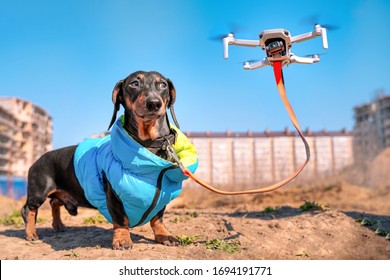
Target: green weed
<point>222,245</point>
<point>188,216</point>
<point>98,219</point>
<point>303,254</point>
<point>15,219</point>
<point>311,205</point>
<point>193,215</point>
<point>269,210</point>
<point>374,225</point>
<point>72,255</point>
<point>368,222</point>
<point>186,240</point>
<point>177,220</point>
<point>381,232</point>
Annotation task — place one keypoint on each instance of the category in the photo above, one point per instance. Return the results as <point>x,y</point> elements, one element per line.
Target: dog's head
<point>146,95</point>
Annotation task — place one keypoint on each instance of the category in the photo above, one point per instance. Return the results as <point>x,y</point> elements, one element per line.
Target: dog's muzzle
<point>153,105</point>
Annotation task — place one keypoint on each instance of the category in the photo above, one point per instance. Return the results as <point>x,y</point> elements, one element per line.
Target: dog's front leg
<point>161,234</point>
<point>121,239</point>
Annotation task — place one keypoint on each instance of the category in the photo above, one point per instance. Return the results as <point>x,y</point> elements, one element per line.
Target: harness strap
<point>156,195</point>
<point>277,66</point>
<point>158,143</point>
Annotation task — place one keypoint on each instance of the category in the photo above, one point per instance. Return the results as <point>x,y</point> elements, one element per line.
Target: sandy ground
<point>351,223</point>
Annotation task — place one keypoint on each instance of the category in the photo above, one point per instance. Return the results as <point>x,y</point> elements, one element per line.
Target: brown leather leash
<point>277,66</point>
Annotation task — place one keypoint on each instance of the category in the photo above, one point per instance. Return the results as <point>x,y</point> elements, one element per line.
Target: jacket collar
<point>131,153</point>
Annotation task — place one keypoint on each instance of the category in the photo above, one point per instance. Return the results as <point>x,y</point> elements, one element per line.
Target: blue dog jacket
<point>133,172</point>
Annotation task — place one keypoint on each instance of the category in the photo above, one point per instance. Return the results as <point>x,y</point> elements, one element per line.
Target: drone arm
<point>246,43</point>
<point>256,65</point>
<point>324,38</point>
<point>230,40</point>
<point>303,60</point>
<point>303,37</point>
<point>318,31</point>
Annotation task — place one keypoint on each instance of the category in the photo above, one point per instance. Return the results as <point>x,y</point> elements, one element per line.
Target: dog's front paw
<point>122,240</point>
<point>122,244</point>
<point>32,236</point>
<point>167,240</point>
<point>58,226</point>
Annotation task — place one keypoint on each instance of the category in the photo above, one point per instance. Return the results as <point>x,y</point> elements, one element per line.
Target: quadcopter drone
<point>277,44</point>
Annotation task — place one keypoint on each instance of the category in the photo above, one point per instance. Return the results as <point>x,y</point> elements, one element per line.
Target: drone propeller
<point>219,37</point>
<point>234,29</point>
<point>249,61</point>
<point>330,27</point>
<point>313,20</point>
<point>315,54</point>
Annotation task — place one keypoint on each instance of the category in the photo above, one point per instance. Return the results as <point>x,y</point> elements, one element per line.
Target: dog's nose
<point>153,105</point>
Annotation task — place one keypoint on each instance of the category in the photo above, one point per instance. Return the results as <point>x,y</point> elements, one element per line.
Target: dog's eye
<point>134,84</point>
<point>163,85</point>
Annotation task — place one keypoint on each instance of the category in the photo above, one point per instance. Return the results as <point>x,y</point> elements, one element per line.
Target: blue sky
<point>66,56</point>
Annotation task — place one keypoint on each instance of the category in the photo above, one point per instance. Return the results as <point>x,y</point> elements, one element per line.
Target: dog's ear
<point>172,99</point>
<point>172,93</point>
<point>117,98</point>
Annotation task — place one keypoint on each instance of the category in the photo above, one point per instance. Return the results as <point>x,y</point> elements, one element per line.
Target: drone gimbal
<point>277,44</point>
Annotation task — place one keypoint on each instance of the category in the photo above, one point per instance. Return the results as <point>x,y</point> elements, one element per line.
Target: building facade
<point>25,134</point>
<point>372,128</point>
<point>7,125</point>
<point>236,160</point>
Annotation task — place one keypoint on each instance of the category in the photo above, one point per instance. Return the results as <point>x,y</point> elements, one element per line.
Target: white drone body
<point>277,44</point>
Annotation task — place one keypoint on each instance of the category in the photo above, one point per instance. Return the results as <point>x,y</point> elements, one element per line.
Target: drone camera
<point>275,48</point>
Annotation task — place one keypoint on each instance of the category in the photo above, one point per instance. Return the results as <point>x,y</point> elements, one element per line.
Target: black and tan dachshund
<point>145,96</point>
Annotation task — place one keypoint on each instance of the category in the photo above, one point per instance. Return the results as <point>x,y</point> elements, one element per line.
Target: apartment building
<point>372,128</point>
<point>7,125</point>
<point>25,134</point>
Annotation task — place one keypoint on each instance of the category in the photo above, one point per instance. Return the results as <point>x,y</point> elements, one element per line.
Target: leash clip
<point>172,153</point>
